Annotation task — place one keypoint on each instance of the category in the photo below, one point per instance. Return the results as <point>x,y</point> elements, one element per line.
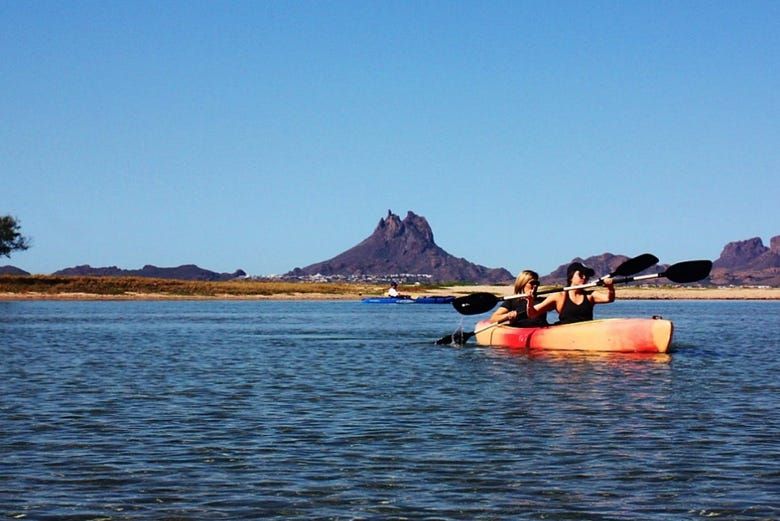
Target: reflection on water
<point>585,356</point>
<point>247,410</point>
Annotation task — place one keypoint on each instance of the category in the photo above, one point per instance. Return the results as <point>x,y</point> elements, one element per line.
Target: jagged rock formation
<point>748,262</point>
<point>403,249</point>
<point>184,272</point>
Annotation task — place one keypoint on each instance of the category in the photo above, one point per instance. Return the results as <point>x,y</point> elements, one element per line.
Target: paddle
<point>477,303</point>
<point>682,272</point>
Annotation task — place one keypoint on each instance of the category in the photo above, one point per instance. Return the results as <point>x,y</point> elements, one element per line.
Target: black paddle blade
<point>635,265</point>
<point>475,303</point>
<point>460,338</point>
<point>688,271</point>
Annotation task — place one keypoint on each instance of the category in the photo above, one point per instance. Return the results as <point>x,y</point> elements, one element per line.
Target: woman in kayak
<point>575,305</point>
<point>514,310</point>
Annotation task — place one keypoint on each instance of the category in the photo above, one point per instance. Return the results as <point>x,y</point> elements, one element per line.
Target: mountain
<point>601,264</point>
<point>748,262</point>
<point>404,250</point>
<point>12,270</point>
<point>184,272</point>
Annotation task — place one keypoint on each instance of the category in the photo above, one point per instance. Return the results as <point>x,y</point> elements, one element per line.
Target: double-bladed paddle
<point>477,303</point>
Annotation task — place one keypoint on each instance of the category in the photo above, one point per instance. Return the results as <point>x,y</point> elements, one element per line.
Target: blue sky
<point>270,135</point>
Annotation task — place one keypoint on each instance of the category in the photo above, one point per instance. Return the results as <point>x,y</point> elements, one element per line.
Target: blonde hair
<point>524,278</point>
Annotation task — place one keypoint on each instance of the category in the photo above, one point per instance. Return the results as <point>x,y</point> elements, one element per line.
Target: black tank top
<point>572,312</point>
<point>522,319</point>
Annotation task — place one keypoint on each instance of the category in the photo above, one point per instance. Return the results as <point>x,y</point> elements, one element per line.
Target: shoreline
<point>637,293</point>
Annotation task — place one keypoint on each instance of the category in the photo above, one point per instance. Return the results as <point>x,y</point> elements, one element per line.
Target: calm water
<point>334,410</point>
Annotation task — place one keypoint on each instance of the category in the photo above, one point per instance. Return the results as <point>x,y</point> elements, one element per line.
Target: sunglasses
<point>533,282</point>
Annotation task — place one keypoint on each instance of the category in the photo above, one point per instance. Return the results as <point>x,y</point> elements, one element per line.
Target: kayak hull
<point>443,299</point>
<point>435,299</point>
<point>624,335</point>
<point>388,300</point>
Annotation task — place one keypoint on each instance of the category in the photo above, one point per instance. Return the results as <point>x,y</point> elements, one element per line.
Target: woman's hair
<point>523,278</point>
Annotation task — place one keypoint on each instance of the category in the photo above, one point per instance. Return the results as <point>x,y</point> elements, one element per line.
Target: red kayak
<point>626,335</point>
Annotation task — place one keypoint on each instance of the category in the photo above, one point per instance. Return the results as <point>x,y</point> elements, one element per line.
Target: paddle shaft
<point>682,272</point>
<point>680,267</point>
<point>600,282</point>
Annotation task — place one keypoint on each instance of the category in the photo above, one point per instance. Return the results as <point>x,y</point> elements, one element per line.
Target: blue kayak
<point>445,299</point>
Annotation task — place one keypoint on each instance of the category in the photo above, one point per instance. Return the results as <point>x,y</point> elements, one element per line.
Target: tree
<point>10,237</point>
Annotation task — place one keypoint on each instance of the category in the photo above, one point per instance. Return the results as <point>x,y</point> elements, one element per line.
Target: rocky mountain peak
<point>740,253</point>
<point>748,262</point>
<point>402,249</point>
<point>412,227</point>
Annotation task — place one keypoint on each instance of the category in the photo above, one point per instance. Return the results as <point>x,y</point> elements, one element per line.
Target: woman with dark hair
<point>575,305</point>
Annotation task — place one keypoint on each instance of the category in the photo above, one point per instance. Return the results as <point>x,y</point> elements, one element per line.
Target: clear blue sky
<point>270,135</point>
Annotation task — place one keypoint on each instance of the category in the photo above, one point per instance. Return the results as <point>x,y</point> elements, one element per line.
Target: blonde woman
<point>513,312</point>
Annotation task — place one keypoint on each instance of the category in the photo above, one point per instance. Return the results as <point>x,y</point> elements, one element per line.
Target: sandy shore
<point>631,293</point>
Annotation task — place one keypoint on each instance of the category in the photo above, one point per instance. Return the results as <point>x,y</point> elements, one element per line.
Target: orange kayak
<point>626,335</point>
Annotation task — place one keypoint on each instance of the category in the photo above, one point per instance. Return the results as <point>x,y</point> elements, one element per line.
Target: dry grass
<point>33,287</point>
<point>48,285</point>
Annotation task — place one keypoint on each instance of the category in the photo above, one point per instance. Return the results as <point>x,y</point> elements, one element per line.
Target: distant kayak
<point>633,335</point>
<point>436,299</point>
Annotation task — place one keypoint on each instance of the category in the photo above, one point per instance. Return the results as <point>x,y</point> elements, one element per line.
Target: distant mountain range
<point>405,250</point>
<point>185,272</point>
<point>741,263</point>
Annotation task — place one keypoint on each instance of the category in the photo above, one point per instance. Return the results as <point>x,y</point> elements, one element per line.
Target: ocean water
<point>343,410</point>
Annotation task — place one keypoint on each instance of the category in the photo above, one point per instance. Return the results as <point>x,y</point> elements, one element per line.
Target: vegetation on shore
<point>129,286</point>
<point>76,287</point>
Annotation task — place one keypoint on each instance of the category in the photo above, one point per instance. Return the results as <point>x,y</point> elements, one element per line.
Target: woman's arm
<point>502,314</point>
<point>542,307</point>
<point>600,297</point>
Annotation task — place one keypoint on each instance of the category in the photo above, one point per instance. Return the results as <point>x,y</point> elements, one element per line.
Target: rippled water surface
<point>342,410</point>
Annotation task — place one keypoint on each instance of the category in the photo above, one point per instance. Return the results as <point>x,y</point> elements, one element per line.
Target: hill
<point>748,262</point>
<point>12,270</point>
<point>184,272</point>
<point>403,250</point>
<point>601,264</point>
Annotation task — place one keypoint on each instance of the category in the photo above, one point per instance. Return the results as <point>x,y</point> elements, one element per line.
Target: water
<point>341,410</point>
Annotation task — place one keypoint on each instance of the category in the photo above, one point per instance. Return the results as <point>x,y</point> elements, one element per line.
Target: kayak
<point>627,335</point>
<point>435,299</point>
<point>388,300</point>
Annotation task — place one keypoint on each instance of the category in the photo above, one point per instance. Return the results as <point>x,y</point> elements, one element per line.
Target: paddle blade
<point>475,303</point>
<point>635,265</point>
<point>460,338</point>
<point>688,271</point>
